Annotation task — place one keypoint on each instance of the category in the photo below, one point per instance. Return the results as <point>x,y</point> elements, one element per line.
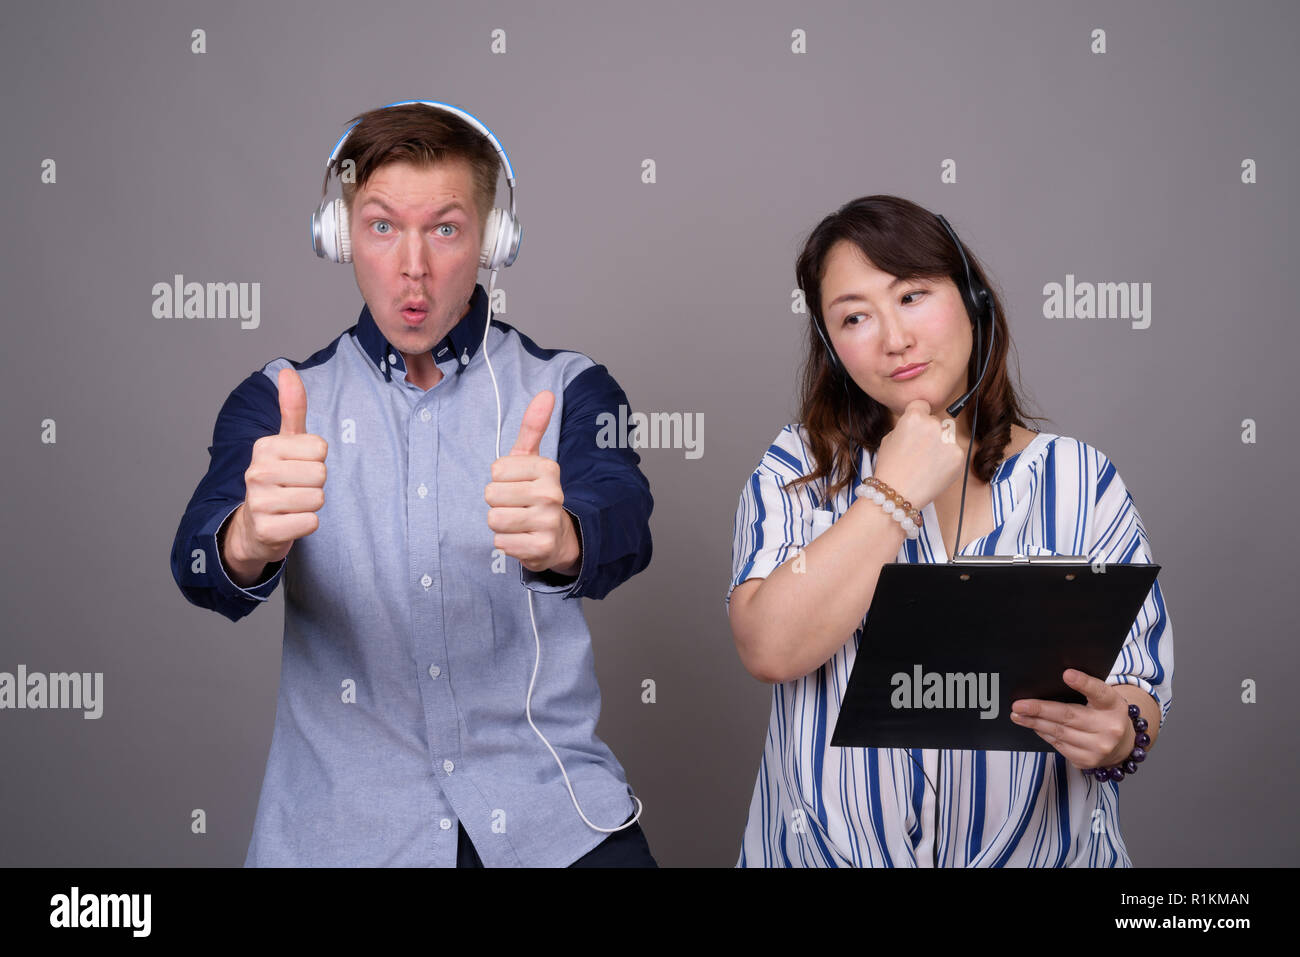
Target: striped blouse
<point>819,806</point>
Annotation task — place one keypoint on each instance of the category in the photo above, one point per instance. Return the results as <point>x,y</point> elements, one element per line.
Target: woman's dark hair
<point>903,239</point>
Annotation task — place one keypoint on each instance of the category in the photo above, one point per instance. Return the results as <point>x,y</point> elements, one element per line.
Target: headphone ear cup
<point>491,237</point>
<point>501,237</point>
<point>330,232</point>
<point>344,231</point>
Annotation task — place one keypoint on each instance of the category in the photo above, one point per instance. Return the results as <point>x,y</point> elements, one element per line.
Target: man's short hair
<point>421,135</point>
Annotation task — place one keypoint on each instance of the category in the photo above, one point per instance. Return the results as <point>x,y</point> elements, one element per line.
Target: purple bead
<point>1143,740</point>
<point>1101,774</point>
<point>1140,724</point>
<point>1139,754</point>
<point>1134,711</point>
<point>1116,774</point>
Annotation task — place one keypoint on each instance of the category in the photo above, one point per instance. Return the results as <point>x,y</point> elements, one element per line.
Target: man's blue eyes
<point>384,222</point>
<point>914,292</point>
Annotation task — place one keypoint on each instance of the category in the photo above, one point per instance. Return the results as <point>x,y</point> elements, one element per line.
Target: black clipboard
<point>1024,619</point>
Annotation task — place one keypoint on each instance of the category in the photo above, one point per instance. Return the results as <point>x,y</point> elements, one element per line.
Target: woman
<point>894,326</point>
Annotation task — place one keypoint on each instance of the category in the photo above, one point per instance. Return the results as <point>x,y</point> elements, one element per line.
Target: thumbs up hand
<point>284,485</point>
<point>526,501</point>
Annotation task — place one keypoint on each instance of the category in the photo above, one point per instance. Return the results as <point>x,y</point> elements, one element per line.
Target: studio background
<point>1122,166</point>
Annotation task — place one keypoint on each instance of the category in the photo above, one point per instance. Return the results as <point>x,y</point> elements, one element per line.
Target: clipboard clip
<point>1019,559</point>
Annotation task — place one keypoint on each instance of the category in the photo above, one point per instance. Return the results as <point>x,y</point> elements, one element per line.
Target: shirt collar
<point>462,341</point>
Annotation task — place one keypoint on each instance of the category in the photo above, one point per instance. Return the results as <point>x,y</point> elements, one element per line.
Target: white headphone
<point>331,240</point>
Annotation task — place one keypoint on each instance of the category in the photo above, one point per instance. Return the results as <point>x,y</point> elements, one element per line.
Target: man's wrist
<point>242,571</point>
<point>574,566</point>
<point>225,543</point>
<point>231,541</point>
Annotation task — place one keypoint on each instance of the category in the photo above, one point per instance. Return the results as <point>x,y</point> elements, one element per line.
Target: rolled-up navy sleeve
<point>251,411</point>
<point>604,490</point>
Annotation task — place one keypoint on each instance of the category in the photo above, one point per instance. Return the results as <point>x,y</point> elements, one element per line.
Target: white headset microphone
<point>331,240</point>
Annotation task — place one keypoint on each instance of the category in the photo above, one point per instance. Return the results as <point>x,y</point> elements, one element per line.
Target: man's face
<point>416,237</point>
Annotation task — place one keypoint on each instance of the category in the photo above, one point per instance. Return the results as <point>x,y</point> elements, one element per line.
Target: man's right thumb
<point>293,404</point>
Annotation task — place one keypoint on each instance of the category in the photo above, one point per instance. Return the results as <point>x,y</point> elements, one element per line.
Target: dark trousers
<point>625,848</point>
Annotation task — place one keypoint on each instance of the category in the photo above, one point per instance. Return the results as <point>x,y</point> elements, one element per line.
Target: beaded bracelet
<point>1139,754</point>
<point>897,507</point>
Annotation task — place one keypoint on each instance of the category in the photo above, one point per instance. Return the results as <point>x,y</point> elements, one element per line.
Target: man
<point>367,477</point>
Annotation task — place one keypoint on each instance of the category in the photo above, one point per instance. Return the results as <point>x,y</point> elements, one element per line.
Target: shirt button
<point>425,414</point>
<point>422,490</point>
<point>392,358</point>
<point>445,824</point>
<point>447,766</point>
<point>426,581</point>
<point>434,671</point>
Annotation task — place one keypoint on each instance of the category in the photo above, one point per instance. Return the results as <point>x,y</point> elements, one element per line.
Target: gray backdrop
<point>1122,166</point>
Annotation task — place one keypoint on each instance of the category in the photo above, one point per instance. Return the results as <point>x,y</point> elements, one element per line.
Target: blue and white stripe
<point>818,806</point>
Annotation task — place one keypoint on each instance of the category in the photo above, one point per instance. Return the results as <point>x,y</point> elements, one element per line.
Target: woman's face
<point>880,324</point>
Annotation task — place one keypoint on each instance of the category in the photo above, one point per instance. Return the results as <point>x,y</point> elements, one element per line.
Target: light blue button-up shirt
<point>408,646</point>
